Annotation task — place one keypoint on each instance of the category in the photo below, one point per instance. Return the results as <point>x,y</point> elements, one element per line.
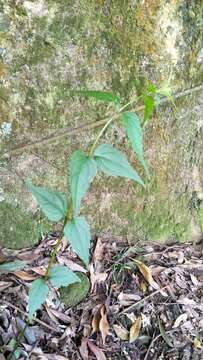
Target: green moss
<point>39,51</point>
<point>18,230</point>
<point>73,294</point>
<point>200,218</point>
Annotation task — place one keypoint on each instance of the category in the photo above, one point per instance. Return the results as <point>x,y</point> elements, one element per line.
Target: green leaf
<point>62,276</point>
<point>151,88</point>
<point>12,266</point>
<point>112,162</point>
<point>164,334</point>
<point>77,232</point>
<point>98,95</point>
<point>37,295</point>
<point>133,128</point>
<point>53,203</point>
<point>149,106</point>
<point>166,91</point>
<point>82,171</point>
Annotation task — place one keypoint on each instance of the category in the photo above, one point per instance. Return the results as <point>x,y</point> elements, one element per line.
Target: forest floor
<point>145,303</point>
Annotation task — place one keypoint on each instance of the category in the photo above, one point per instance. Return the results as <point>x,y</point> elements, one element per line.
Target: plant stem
<point>114,117</point>
<point>58,243</point>
<point>19,338</point>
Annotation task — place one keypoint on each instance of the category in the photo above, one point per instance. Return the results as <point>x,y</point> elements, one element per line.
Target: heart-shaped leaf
<point>62,276</point>
<point>98,95</point>
<point>133,128</point>
<point>82,171</point>
<point>77,232</point>
<point>149,106</point>
<point>53,203</point>
<point>37,295</point>
<point>112,162</point>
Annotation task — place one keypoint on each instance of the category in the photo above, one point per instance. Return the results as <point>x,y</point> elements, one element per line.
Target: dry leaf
<point>96,351</point>
<point>51,315</point>
<point>61,315</point>
<point>135,329</point>
<point>40,270</point>
<point>71,264</point>
<point>96,320</point>
<point>131,316</point>
<point>96,277</point>
<point>84,350</point>
<point>103,324</point>
<point>182,317</point>
<point>126,299</point>
<point>146,272</point>
<point>121,332</point>
<point>24,275</point>
<point>99,250</point>
<point>143,287</point>
<point>197,343</point>
<point>146,321</point>
<point>194,280</point>
<point>4,285</point>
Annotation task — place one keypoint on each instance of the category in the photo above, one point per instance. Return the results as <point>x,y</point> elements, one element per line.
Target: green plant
<point>83,168</point>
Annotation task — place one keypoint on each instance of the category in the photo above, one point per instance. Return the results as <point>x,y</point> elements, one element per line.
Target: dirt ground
<point>144,303</point>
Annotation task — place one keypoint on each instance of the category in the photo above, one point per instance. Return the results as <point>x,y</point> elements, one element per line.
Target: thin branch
<point>142,300</point>
<point>86,127</point>
<point>24,313</point>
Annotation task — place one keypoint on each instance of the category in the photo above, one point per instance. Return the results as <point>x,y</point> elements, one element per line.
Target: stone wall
<point>49,47</point>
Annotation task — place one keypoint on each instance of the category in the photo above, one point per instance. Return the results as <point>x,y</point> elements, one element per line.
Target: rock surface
<point>48,48</point>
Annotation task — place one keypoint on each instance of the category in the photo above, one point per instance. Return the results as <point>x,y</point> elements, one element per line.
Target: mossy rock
<point>18,229</point>
<point>73,294</point>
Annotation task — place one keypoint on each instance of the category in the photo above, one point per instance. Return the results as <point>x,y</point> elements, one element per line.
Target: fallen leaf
<point>121,332</point>
<point>146,272</point>
<point>83,349</point>
<point>186,301</point>
<point>96,351</point>
<point>194,280</point>
<point>71,264</point>
<point>197,343</point>
<point>99,250</point>
<point>4,285</point>
<point>126,299</point>
<point>96,320</point>
<point>24,275</point>
<point>143,287</point>
<point>61,315</point>
<point>51,315</point>
<point>146,321</point>
<point>182,317</point>
<point>164,334</point>
<point>96,277</point>
<point>135,329</point>
<point>103,324</point>
<point>131,316</point>
<point>40,270</point>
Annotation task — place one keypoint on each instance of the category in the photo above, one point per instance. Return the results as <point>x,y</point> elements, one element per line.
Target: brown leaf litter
<point>145,303</point>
